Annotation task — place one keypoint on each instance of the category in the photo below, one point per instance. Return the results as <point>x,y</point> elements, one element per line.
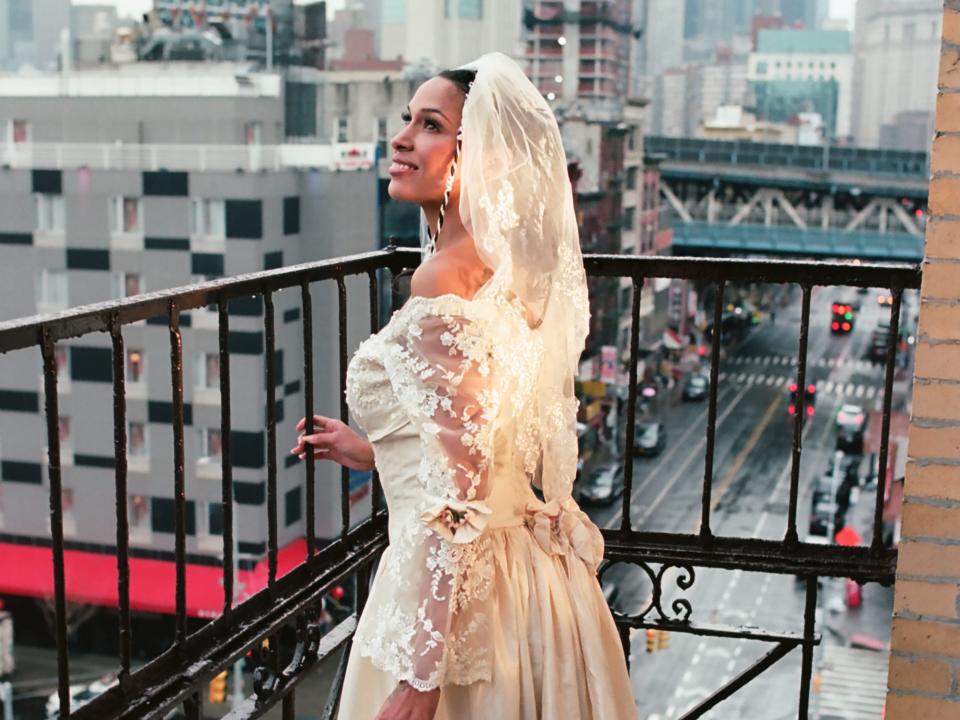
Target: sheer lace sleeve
<point>440,364</point>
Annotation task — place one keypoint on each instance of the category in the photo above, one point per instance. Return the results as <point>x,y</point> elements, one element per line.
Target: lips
<point>401,167</point>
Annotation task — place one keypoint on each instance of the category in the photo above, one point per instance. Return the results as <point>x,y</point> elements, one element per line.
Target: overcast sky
<point>135,8</point>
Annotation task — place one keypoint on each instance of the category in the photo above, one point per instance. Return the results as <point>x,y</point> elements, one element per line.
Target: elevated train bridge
<point>750,198</point>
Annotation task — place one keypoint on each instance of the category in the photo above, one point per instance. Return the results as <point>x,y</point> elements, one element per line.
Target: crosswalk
<point>858,364</point>
<point>857,391</point>
<point>854,684</point>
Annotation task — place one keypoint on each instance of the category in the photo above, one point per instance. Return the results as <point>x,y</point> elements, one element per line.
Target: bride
<point>486,603</point>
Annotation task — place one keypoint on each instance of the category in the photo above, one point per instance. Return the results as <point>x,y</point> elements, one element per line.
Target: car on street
<point>649,438</point>
<point>851,428</point>
<point>602,486</point>
<point>697,387</point>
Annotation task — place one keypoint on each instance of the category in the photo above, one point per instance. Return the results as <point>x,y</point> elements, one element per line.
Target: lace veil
<point>517,203</point>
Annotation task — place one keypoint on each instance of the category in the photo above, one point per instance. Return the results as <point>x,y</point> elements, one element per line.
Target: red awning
<point>91,578</point>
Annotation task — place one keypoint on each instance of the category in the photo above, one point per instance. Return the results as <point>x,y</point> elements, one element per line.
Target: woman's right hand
<point>334,440</point>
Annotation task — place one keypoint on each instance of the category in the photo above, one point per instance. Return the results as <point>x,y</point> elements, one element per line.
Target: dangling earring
<point>447,188</point>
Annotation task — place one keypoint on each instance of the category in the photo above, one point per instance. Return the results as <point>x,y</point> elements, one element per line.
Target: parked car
<point>697,387</point>
<point>851,428</point>
<point>602,486</point>
<point>649,438</point>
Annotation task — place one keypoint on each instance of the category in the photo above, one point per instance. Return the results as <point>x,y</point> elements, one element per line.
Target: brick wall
<point>924,680</point>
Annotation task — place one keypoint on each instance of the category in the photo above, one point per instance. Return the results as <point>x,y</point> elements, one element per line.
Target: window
<point>214,518</point>
<point>292,506</point>
<point>64,426</point>
<point>63,363</point>
<point>253,132</point>
<point>629,216</point>
<point>20,131</point>
<point>125,215</point>
<point>139,512</point>
<point>137,440</point>
<point>208,218</point>
<point>340,130</point>
<point>471,9</point>
<point>762,67</point>
<point>208,370</point>
<point>51,290</point>
<point>631,181</point>
<point>209,444</point>
<point>382,140</point>
<point>135,366</point>
<point>163,516</point>
<point>127,285</point>
<point>48,213</point>
<point>66,504</point>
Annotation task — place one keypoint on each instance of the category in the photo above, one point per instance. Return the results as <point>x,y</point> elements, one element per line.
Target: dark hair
<point>459,77</point>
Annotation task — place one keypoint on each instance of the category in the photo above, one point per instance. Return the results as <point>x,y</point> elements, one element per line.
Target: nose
<point>402,141</point>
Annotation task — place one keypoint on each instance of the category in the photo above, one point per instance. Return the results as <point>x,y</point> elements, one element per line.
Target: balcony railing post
<point>120,464</point>
<point>179,482</point>
<point>268,327</point>
<point>626,522</point>
<point>706,498</point>
<point>306,304</point>
<point>226,460</point>
<point>48,351</point>
<point>876,545</point>
<point>344,412</point>
<point>800,417</point>
<point>806,667</point>
<point>374,289</point>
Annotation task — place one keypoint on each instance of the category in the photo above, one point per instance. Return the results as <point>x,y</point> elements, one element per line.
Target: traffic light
<point>217,692</point>
<point>663,639</point>
<point>651,640</point>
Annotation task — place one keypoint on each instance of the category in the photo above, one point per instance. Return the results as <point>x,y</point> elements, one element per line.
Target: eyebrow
<point>431,110</point>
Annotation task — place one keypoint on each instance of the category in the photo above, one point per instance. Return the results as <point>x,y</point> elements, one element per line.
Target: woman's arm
<point>334,440</point>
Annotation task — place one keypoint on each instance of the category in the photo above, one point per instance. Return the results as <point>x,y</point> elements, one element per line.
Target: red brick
<point>925,559</point>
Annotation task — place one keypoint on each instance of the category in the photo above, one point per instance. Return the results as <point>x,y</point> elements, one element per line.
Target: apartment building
<point>121,181</point>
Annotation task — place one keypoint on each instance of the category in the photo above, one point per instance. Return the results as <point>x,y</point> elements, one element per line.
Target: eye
<point>405,116</point>
<point>431,124</point>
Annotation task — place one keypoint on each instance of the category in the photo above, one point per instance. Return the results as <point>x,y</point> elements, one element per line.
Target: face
<point>424,148</point>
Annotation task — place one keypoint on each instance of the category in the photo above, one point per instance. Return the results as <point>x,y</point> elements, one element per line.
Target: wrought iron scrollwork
<point>266,679</point>
<point>680,609</point>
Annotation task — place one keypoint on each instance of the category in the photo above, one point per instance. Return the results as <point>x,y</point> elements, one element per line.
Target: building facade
<point>795,71</point>
<point>896,44</point>
<point>147,178</point>
<point>582,51</point>
<point>32,34</point>
<point>448,33</point>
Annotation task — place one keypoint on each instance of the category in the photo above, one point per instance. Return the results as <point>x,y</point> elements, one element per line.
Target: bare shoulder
<point>438,276</point>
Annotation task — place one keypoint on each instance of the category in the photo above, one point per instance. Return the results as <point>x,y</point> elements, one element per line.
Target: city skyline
<point>843,9</point>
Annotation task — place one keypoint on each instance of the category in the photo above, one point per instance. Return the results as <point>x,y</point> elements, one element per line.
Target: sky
<point>135,8</point>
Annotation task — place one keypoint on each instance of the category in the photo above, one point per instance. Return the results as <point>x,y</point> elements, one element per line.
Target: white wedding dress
<point>484,591</point>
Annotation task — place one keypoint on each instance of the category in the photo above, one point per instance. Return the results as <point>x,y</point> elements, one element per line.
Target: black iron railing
<point>177,676</point>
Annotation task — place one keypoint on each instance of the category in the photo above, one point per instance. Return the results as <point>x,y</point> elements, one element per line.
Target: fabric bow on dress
<point>456,521</point>
<point>559,528</point>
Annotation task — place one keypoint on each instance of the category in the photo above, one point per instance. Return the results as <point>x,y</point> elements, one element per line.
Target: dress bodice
<point>375,406</point>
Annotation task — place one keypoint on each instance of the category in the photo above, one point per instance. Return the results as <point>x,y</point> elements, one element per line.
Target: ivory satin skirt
<point>557,654</point>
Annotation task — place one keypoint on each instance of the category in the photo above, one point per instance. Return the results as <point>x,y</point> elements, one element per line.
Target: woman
<point>486,603</point>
